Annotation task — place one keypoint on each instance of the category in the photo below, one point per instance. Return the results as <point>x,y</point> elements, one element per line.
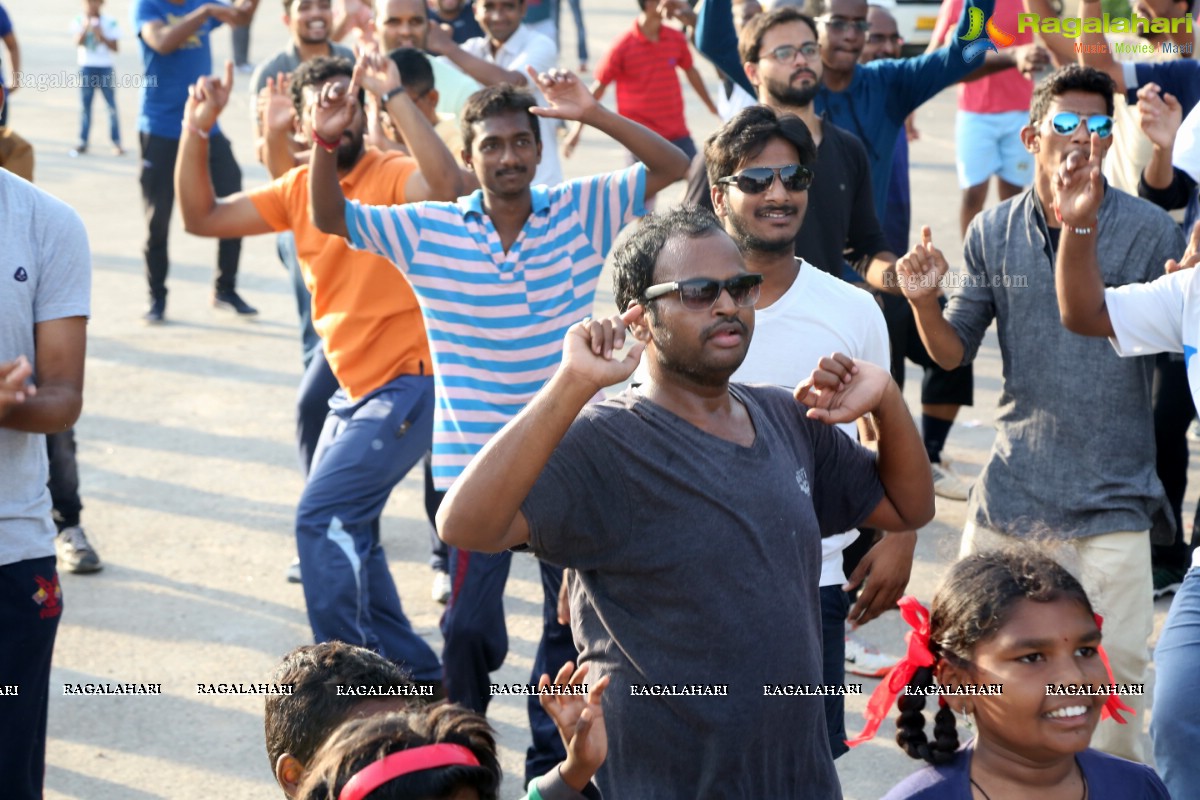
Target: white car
<point>915,20</point>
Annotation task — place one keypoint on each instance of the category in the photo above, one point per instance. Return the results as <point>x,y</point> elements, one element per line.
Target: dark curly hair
<point>635,259</point>
<point>315,72</point>
<point>492,101</point>
<point>1071,78</point>
<point>363,741</point>
<point>972,605</point>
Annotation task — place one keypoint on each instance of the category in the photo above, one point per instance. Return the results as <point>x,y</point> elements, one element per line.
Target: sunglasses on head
<point>1066,123</point>
<point>786,54</point>
<point>701,294</point>
<point>756,180</point>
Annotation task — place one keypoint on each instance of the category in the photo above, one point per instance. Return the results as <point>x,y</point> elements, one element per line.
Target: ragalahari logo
<point>996,38</point>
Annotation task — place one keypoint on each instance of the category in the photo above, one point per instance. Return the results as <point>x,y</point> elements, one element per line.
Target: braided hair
<point>972,605</point>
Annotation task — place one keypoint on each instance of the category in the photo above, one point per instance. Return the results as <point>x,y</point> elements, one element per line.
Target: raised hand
<point>335,108</point>
<point>1030,58</point>
<point>1078,190</point>
<point>580,723</point>
<point>568,97</point>
<point>14,386</point>
<point>440,39</point>
<point>207,97</point>
<point>376,73</point>
<point>679,10</point>
<point>1160,115</point>
<point>589,347</point>
<point>1191,256</point>
<point>920,270</point>
<point>842,389</point>
<point>275,104</point>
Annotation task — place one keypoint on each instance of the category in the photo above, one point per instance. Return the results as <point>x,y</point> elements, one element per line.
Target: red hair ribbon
<point>918,655</point>
<point>415,759</point>
<point>1114,706</point>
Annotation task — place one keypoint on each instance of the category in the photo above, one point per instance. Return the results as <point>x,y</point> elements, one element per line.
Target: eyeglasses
<point>701,294</point>
<point>1066,123</point>
<point>884,38</point>
<point>786,54</point>
<point>756,180</point>
<point>839,24</point>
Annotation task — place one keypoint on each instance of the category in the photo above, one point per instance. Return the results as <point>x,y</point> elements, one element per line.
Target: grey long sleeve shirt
<point>1074,449</point>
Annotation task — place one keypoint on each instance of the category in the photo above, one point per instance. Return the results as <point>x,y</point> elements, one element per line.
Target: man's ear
<point>717,194</point>
<point>751,72</point>
<point>289,772</point>
<point>1029,138</point>
<point>641,328</point>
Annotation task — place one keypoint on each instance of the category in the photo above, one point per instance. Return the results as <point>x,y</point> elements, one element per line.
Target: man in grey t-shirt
<point>660,496</point>
<point>45,271</point>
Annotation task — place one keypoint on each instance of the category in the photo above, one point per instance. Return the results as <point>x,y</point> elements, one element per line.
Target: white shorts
<point>990,144</point>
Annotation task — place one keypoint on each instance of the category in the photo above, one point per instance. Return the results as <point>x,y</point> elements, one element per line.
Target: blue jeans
<point>101,78</point>
<point>1175,722</point>
<point>285,247</point>
<point>367,447</point>
<point>835,605</point>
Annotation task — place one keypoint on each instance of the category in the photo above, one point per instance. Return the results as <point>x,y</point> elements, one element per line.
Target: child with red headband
<point>447,752</point>
<point>1013,644</point>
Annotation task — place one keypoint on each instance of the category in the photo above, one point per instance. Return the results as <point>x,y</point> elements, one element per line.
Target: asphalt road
<point>189,469</point>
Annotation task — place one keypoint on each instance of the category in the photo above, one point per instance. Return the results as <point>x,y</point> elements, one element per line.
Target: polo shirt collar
<point>473,203</point>
<point>516,43</point>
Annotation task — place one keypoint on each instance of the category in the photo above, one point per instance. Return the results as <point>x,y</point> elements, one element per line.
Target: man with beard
<point>658,496</point>
<point>405,23</point>
<point>1048,472</point>
<point>380,420</point>
<point>780,57</point>
<point>802,314</point>
<point>501,275</point>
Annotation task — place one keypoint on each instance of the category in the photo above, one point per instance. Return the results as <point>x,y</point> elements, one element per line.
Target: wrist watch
<point>389,94</point>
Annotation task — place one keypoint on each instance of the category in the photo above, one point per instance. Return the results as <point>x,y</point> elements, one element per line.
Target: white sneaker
<point>947,483</point>
<point>865,659</point>
<point>293,572</point>
<point>441,588</point>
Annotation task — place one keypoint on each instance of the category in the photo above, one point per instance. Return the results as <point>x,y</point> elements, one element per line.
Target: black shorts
<point>953,387</point>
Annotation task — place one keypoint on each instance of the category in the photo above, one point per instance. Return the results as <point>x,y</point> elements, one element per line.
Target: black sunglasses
<point>701,294</point>
<point>756,180</point>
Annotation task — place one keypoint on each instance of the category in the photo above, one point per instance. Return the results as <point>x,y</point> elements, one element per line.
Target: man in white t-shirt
<point>758,166</point>
<point>45,273</point>
<point>96,37</point>
<point>1142,319</point>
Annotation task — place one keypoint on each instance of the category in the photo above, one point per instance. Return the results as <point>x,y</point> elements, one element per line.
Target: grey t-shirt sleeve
<point>580,503</point>
<point>846,488</point>
<point>65,276</point>
<point>972,306</point>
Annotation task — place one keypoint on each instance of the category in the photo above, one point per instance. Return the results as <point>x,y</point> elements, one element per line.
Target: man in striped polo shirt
<point>500,276</point>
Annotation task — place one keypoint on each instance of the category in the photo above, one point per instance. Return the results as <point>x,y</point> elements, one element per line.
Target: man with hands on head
<point>1162,316</point>
<point>371,331</point>
<point>648,497</point>
<point>500,275</point>
<point>1099,496</point>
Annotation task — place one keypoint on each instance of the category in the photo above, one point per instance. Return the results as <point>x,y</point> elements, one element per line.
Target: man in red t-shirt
<point>991,112</point>
<point>642,63</point>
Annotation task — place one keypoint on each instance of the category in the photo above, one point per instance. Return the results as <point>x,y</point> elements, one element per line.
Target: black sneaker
<point>157,313</point>
<point>74,551</point>
<point>230,301</point>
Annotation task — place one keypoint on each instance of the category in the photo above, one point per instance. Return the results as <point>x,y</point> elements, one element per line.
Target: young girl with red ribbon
<point>447,752</point>
<point>1017,621</point>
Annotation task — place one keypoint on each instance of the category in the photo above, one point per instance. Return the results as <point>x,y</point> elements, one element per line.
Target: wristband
<point>389,94</point>
<point>1082,231</point>
<point>203,134</point>
<point>328,147</point>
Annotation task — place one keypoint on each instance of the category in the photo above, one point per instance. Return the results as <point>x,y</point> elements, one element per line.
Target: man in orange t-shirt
<point>380,421</point>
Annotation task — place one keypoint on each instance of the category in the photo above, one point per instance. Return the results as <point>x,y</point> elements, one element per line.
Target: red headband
<point>1113,706</point>
<point>917,656</point>
<point>430,756</point>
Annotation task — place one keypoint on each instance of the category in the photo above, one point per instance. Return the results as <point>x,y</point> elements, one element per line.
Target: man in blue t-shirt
<point>14,55</point>
<point>173,42</point>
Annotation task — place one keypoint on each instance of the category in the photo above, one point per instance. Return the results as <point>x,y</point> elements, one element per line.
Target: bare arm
<point>482,510</point>
<point>697,83</point>
<point>1062,48</point>
<point>569,99</point>
<point>1094,52</point>
<point>1160,115</point>
<point>1078,193</point>
<point>53,405</point>
<point>881,272</point>
<point>333,113</point>
<point>165,39</point>
<point>442,43</point>
<point>919,273</point>
<point>203,214</point>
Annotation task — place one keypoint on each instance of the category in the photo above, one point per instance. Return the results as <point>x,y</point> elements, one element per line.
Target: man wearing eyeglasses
<point>1049,472</point>
<point>657,496</point>
<point>801,315</point>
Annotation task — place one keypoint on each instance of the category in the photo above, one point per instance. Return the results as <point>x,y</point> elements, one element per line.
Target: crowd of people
<point>445,276</point>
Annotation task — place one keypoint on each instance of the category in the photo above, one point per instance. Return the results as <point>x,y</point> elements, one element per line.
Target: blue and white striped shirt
<point>496,320</point>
